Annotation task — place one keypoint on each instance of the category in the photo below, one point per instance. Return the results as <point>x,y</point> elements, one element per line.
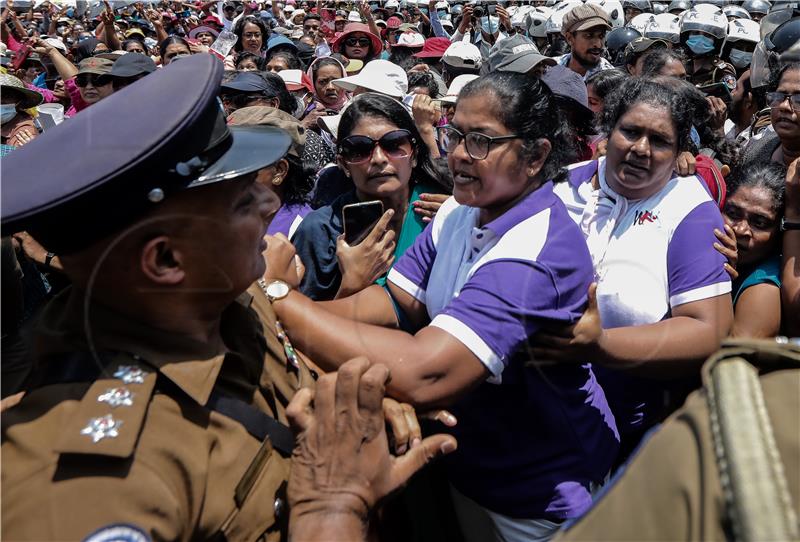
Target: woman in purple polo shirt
<point>662,298</point>
<point>499,262</point>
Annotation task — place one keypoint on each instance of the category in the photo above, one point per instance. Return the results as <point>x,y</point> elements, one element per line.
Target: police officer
<point>155,407</point>
<point>702,34</point>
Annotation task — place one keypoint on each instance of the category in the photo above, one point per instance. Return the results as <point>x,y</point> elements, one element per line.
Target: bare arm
<point>66,69</point>
<point>758,312</point>
<point>790,275</point>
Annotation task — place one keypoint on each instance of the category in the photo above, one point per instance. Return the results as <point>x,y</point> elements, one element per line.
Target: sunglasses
<point>357,149</point>
<point>361,42</point>
<point>83,79</point>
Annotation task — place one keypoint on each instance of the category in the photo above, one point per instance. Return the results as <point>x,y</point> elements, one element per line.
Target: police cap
<point>117,160</point>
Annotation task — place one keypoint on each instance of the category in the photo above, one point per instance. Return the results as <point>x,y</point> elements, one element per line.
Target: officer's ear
<point>160,262</point>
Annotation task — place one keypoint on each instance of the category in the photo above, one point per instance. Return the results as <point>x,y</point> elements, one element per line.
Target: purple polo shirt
<point>288,218</point>
<point>531,439</point>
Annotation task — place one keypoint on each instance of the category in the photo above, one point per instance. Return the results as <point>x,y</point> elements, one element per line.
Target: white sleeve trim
<point>406,285</point>
<point>704,292</point>
<point>472,340</point>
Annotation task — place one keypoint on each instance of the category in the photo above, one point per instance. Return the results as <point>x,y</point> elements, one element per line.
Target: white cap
<point>442,5</point>
<point>462,54</point>
<point>57,43</point>
<point>410,39</point>
<point>354,17</point>
<point>392,4</point>
<point>455,87</point>
<point>379,76</point>
<point>293,78</point>
<point>288,9</point>
<point>447,23</point>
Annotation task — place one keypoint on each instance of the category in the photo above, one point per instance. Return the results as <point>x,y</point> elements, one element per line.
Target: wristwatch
<point>275,290</point>
<point>785,226</point>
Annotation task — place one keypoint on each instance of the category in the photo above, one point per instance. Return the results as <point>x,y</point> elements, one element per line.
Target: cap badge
<point>103,427</point>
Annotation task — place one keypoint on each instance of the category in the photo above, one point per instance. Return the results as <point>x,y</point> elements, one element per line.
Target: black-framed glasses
<point>357,148</point>
<point>476,143</point>
<point>361,42</point>
<point>775,99</point>
<point>83,79</point>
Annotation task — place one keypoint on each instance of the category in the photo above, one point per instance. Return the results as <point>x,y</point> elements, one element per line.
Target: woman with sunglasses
<point>782,145</point>
<point>500,261</point>
<point>381,151</point>
<point>358,43</point>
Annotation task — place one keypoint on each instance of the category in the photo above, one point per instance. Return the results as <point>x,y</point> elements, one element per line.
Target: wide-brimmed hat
<point>30,98</point>
<point>379,76</point>
<point>353,28</point>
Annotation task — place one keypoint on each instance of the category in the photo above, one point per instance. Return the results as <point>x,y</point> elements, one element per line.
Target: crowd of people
<point>263,262</point>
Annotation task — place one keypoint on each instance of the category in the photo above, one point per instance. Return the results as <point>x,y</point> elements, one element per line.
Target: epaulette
<point>110,416</point>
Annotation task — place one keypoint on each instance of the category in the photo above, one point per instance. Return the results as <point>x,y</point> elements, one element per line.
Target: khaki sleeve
<point>89,494</point>
<point>670,490</point>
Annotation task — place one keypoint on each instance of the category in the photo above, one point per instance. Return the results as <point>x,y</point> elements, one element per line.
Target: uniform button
<point>278,507</point>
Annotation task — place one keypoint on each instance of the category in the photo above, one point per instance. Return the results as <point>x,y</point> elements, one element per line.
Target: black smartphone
<point>719,90</point>
<point>359,219</point>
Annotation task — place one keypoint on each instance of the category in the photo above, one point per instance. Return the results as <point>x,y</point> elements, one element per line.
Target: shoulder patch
<point>110,415</point>
<point>118,532</point>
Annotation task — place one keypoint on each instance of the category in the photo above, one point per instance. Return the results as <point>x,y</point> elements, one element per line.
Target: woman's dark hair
<point>299,181</point>
<point>403,57</point>
<point>695,103</point>
<point>655,60</point>
<point>768,175</point>
<point>241,57</point>
<point>162,47</point>
<point>292,61</point>
<point>238,29</point>
<point>638,90</point>
<point>277,88</point>
<point>606,81</point>
<point>528,109</point>
<point>424,80</point>
<point>382,107</point>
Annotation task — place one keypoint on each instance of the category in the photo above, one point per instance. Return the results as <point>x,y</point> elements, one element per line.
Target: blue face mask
<point>70,13</point>
<point>740,59</point>
<point>441,13</point>
<point>490,25</point>
<point>700,45</point>
<point>7,112</point>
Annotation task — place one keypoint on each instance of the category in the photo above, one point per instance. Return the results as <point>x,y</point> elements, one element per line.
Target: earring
<point>277,180</point>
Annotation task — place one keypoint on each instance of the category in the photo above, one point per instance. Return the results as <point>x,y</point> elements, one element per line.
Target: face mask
<point>490,25</point>
<point>700,45</point>
<point>70,13</point>
<point>7,112</point>
<point>740,59</point>
<point>441,13</point>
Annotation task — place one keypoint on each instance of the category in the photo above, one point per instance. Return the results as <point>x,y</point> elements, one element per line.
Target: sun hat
<point>379,76</point>
<point>455,87</point>
<point>463,54</point>
<point>352,28</point>
<point>30,98</point>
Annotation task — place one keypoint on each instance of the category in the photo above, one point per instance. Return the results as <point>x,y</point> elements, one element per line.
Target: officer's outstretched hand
<point>341,466</point>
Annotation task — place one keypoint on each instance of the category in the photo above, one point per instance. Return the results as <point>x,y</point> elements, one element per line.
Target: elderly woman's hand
<point>685,164</point>
<point>428,205</point>
<point>579,343</point>
<point>282,261</point>
<point>364,263</point>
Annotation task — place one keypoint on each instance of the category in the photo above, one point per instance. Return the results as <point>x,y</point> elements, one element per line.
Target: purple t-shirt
<point>288,218</point>
<point>531,439</point>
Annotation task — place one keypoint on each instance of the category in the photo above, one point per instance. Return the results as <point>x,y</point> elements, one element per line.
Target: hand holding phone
<point>359,219</point>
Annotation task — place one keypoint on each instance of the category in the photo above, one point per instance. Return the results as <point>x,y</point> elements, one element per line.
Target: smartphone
<point>359,219</point>
<point>720,90</point>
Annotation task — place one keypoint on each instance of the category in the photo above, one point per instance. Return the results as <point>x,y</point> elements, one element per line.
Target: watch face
<point>278,289</point>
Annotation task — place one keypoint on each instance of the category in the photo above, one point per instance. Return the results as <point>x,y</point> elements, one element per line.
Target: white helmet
<point>664,26</point>
<point>713,24</point>
<point>759,7</point>
<point>536,22</point>
<point>553,25</point>
<point>743,30</point>
<point>442,6</point>
<point>614,10</point>
<point>519,16</point>
<point>735,12</point>
<point>707,8</point>
<point>641,21</point>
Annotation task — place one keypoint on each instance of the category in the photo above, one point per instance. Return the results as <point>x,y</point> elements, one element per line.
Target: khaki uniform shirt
<point>135,453</point>
<point>671,488</point>
<point>707,71</point>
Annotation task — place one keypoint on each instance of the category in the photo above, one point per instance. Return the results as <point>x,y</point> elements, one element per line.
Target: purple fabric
<point>692,260</point>
<point>285,217</point>
<point>530,446</point>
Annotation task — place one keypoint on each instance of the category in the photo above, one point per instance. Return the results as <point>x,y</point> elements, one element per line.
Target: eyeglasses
<point>477,144</point>
<point>357,149</point>
<point>775,99</point>
<point>83,79</point>
<point>361,42</point>
<point>252,36</point>
<point>310,27</point>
